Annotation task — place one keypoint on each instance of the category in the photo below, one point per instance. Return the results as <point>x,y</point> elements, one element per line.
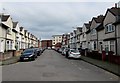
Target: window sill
<point>109,32</point>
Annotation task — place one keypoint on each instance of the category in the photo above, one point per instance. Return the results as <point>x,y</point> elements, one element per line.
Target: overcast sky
<point>44,19</point>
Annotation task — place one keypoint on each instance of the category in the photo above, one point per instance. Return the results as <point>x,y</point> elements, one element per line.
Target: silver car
<point>74,54</point>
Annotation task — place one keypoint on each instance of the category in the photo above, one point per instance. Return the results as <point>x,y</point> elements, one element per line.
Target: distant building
<point>56,39</point>
<point>46,43</point>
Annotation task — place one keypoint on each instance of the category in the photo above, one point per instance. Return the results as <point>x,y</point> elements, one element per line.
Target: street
<point>52,66</point>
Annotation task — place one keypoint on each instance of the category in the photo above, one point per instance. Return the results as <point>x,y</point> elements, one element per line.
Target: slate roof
<point>15,24</point>
<point>99,19</point>
<point>21,28</point>
<point>87,25</point>
<point>4,17</point>
<point>115,11</point>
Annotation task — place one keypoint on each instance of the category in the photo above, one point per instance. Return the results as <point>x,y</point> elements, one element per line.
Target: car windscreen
<point>28,51</point>
<point>75,51</point>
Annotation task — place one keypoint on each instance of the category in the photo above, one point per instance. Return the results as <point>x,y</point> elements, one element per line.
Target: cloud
<point>45,19</point>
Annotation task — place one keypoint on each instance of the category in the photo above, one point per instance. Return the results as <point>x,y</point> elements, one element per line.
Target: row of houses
<point>14,37</point>
<point>101,33</point>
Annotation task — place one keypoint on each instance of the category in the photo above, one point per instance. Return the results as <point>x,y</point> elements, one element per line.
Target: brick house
<point>46,43</point>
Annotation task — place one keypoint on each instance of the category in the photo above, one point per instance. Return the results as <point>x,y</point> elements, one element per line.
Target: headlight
<point>31,55</point>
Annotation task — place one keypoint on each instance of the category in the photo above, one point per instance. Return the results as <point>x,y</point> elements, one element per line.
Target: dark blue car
<point>28,54</point>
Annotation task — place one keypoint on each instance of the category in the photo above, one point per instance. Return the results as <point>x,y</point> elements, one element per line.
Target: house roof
<point>4,17</point>
<point>21,28</point>
<point>87,25</point>
<point>117,22</point>
<point>25,30</point>
<point>115,11</point>
<point>99,19</point>
<point>100,27</point>
<point>15,24</point>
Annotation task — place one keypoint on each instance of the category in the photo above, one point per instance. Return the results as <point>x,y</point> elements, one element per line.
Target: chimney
<point>116,5</point>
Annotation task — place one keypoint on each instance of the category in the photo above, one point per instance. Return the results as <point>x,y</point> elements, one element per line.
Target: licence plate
<point>25,58</point>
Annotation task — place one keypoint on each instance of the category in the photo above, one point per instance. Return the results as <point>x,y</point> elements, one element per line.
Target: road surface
<point>52,66</point>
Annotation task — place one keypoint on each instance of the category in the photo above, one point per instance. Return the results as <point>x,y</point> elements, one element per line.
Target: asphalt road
<point>52,66</point>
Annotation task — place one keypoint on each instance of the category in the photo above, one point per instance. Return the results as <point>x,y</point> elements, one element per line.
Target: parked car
<point>60,50</point>
<point>72,53</point>
<point>64,52</point>
<point>49,48</point>
<point>42,50</point>
<point>28,54</point>
<point>38,51</point>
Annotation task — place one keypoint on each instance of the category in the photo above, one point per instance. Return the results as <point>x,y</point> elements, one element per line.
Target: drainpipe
<point>116,50</point>
<point>115,39</point>
<point>5,39</point>
<point>97,40</point>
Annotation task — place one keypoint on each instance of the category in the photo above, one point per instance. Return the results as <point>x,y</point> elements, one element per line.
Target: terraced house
<point>3,31</point>
<point>111,33</point>
<point>26,38</point>
<point>9,41</point>
<point>100,36</point>
<point>78,34</point>
<point>13,38</point>
<point>93,34</point>
<point>17,35</point>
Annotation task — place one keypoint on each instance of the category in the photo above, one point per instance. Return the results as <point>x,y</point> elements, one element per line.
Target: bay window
<point>109,28</point>
<point>110,46</point>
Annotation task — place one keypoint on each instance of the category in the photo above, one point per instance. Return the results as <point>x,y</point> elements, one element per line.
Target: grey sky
<point>44,19</point>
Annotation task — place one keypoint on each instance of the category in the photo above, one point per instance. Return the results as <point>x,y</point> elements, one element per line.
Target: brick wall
<point>46,43</point>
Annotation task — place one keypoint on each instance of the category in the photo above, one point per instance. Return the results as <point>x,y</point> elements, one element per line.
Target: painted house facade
<point>78,33</point>
<point>10,39</point>
<point>3,33</point>
<point>83,37</point>
<point>65,40</point>
<point>111,31</point>
<point>75,39</point>
<point>56,39</point>
<point>88,35</point>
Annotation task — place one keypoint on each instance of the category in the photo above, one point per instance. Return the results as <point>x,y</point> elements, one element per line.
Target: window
<point>100,46</point>
<point>9,31</point>
<point>9,45</point>
<point>109,28</point>
<point>93,45</point>
<point>110,46</point>
<point>93,32</point>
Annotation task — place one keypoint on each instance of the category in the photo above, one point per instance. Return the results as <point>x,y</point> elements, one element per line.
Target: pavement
<point>113,68</point>
<point>52,66</point>
<point>9,61</point>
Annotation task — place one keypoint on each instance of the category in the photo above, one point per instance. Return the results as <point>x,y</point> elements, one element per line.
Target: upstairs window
<point>109,28</point>
<point>9,31</point>
<point>93,32</point>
